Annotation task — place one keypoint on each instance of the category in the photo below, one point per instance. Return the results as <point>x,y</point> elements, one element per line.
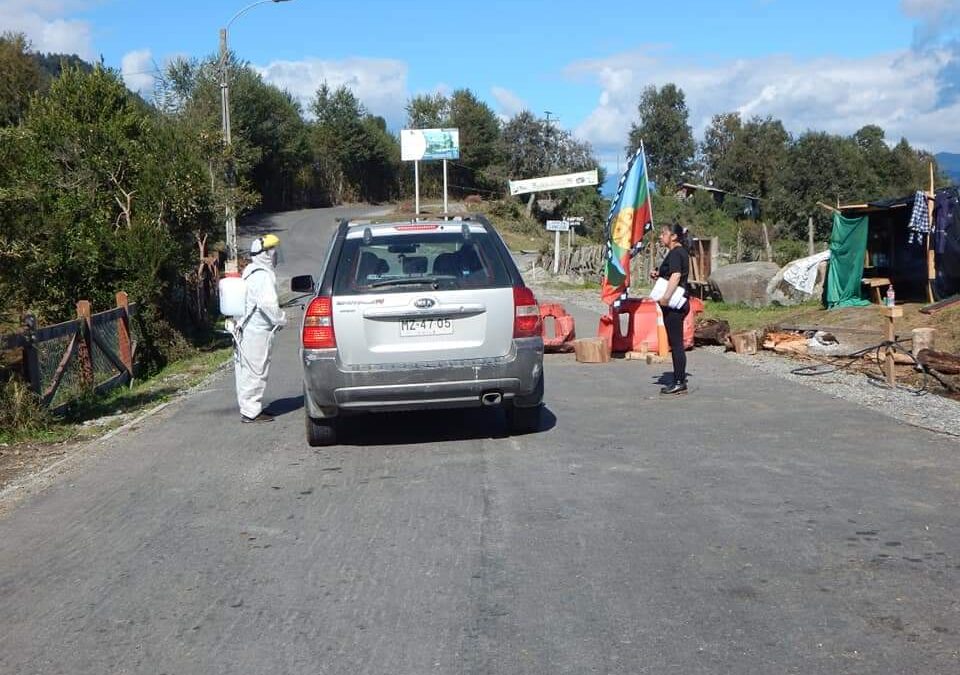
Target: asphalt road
<point>750,527</point>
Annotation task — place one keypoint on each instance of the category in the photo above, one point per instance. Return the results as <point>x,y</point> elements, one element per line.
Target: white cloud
<point>380,84</point>
<point>900,91</point>
<point>49,26</point>
<point>138,70</point>
<point>936,18</point>
<point>508,103</point>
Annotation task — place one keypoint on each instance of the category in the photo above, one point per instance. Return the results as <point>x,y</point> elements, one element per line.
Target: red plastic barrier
<point>690,321</point>
<point>642,325</point>
<point>553,309</point>
<point>564,330</point>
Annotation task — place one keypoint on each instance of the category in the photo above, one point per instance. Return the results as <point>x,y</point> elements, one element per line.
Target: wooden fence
<point>94,353</point>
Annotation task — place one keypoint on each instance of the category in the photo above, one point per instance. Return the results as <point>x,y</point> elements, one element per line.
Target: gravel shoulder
<point>921,409</point>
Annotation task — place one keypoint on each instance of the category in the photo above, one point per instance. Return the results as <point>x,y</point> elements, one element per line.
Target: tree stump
<point>744,342</point>
<point>591,350</point>
<point>712,332</point>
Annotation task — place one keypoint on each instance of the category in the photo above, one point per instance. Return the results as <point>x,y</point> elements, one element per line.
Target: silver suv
<point>419,315</point>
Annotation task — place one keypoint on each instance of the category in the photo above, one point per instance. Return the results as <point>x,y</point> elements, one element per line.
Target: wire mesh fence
<point>105,335</point>
<point>93,353</point>
<point>50,355</point>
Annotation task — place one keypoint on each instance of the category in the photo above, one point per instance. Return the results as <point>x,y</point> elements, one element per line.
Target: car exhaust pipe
<point>491,398</point>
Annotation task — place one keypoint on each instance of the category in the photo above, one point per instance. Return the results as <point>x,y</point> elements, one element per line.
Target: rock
<point>781,293</point>
<point>745,283</point>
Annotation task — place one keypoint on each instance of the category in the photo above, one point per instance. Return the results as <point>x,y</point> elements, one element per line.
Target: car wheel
<point>321,432</point>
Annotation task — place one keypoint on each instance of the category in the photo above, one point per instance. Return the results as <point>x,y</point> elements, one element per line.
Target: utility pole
<point>231,216</point>
<point>231,219</point>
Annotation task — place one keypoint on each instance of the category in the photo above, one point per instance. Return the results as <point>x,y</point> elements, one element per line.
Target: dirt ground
<point>27,458</point>
<point>867,321</point>
<point>860,327</point>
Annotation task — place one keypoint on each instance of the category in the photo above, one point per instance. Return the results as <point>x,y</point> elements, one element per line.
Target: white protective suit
<point>262,319</point>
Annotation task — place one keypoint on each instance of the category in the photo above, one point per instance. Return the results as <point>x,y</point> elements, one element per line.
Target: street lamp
<point>548,149</point>
<point>225,115</point>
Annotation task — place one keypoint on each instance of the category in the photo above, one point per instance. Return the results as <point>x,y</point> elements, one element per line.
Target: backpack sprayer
<point>233,300</point>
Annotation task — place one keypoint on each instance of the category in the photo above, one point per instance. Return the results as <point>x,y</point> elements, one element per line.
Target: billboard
<point>427,144</point>
<point>567,180</point>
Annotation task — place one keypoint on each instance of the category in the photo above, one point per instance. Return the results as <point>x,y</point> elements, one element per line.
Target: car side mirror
<point>302,284</point>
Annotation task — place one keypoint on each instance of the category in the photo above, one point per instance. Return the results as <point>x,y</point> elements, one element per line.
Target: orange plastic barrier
<point>642,326</point>
<point>564,328</point>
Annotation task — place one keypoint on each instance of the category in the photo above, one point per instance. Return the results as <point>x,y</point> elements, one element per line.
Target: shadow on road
<point>666,378</point>
<point>284,406</point>
<point>413,428</point>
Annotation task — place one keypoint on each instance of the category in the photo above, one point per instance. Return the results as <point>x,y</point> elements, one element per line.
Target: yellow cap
<point>264,243</point>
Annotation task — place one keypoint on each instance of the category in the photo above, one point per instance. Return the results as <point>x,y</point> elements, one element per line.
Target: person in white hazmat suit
<point>262,319</point>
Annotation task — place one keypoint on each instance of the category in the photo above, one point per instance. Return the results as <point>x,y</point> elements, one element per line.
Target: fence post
<point>123,333</point>
<point>31,359</point>
<point>85,352</point>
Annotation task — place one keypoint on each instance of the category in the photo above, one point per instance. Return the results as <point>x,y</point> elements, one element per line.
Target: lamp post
<point>225,115</point>
<point>547,146</point>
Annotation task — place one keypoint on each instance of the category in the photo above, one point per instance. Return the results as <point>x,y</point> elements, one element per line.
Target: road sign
<point>567,180</point>
<point>558,226</point>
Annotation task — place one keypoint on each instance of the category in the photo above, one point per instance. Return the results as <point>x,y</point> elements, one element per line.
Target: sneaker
<point>675,388</point>
<point>262,417</point>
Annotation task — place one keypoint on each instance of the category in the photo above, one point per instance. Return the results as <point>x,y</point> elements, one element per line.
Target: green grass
<point>587,285</point>
<point>136,399</point>
<point>743,317</point>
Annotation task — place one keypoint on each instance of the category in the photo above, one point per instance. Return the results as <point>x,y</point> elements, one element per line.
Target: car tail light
<point>318,325</point>
<point>526,319</point>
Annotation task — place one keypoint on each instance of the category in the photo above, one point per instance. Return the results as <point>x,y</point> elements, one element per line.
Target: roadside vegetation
<point>103,189</point>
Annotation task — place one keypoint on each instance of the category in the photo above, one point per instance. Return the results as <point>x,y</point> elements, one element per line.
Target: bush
<point>20,410</point>
<point>515,213</point>
<point>788,250</point>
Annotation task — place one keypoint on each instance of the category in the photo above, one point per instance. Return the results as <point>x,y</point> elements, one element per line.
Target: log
<point>942,362</point>
<point>899,358</point>
<point>592,350</point>
<point>711,332</point>
<point>790,347</point>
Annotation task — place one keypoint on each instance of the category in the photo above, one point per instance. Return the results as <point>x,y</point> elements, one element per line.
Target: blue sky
<point>833,65</point>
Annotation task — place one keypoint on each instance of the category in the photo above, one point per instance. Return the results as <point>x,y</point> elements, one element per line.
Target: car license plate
<point>421,327</point>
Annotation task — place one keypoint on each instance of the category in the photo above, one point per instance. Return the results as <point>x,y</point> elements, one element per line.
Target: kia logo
<point>424,303</point>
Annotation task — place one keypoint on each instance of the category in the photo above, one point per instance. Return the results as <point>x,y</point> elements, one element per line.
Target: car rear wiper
<point>407,281</point>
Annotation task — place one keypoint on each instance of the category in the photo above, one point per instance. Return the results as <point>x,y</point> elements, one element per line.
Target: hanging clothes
<point>919,220</point>
<point>848,243</point>
<point>946,208</point>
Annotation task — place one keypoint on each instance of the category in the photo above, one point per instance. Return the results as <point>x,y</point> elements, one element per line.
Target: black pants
<point>673,323</point>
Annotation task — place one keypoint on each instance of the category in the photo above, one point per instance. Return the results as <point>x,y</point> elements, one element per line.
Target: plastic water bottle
<point>891,297</point>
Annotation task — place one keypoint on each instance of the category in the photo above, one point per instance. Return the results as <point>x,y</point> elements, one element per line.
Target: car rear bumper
<point>331,388</point>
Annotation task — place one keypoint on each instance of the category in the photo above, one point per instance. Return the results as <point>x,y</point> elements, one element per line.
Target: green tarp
<point>848,245</point>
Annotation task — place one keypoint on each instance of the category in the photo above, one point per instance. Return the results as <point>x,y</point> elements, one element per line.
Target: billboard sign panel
<point>428,144</point>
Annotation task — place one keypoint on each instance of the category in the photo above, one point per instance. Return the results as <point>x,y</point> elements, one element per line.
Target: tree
<point>428,111</point>
<point>102,194</point>
<point>755,158</point>
<point>820,167</point>
<point>363,157</point>
<point>717,141</point>
<point>480,147</point>
<point>665,132</point>
<point>20,77</point>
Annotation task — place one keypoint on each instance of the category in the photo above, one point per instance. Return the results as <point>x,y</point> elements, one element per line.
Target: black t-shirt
<point>677,260</point>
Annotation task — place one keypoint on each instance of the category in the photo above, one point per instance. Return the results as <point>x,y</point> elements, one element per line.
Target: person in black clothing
<point>675,268</point>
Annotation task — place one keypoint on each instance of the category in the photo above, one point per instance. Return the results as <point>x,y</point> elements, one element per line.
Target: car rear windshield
<point>399,263</point>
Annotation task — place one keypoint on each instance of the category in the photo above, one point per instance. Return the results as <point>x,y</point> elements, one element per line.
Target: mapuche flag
<point>630,218</point>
